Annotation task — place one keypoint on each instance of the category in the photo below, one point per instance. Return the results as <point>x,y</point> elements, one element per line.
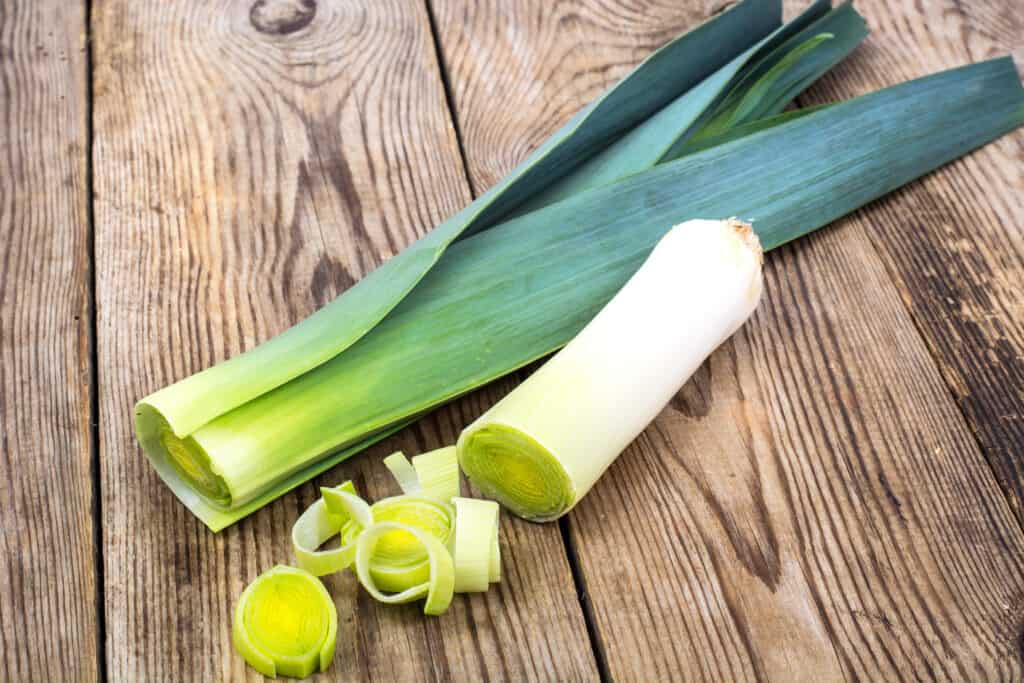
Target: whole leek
<point>542,447</point>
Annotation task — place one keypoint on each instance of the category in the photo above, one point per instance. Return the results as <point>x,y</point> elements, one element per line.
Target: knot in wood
<point>281,17</point>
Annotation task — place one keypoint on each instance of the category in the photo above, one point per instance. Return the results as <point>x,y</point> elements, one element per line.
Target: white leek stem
<point>542,447</point>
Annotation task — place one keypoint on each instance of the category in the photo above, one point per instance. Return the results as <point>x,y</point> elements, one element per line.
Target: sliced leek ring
<point>322,520</point>
<point>286,623</point>
<point>477,553</point>
<point>431,475</point>
<point>403,472</point>
<point>439,586</point>
<point>400,560</point>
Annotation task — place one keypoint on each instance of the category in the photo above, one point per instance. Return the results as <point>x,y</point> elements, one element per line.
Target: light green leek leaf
<point>476,555</point>
<point>400,561</point>
<point>322,520</point>
<point>196,400</point>
<point>522,289</point>
<point>771,84</point>
<point>752,74</point>
<point>439,586</point>
<point>703,141</point>
<point>758,102</point>
<point>286,623</point>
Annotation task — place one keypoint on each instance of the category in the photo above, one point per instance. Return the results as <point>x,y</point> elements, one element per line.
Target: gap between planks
<point>94,386</point>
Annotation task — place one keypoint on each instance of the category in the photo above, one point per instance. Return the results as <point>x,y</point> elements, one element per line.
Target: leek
<point>222,475</point>
<point>542,447</point>
<point>509,292</point>
<point>286,623</point>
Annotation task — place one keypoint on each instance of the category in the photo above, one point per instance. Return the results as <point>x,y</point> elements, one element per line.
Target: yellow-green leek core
<point>286,623</point>
<point>190,461</point>
<point>400,561</point>
<point>517,471</point>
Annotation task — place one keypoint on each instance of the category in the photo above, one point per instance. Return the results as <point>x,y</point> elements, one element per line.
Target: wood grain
<point>812,506</point>
<point>954,243</point>
<point>252,161</point>
<point>47,556</point>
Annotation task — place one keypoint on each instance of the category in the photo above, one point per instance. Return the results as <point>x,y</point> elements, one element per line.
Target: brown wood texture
<point>252,160</point>
<point>954,243</point>
<point>48,628</point>
<point>813,505</point>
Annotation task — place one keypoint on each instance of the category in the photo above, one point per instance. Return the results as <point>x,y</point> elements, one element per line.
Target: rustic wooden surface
<point>258,171</point>
<point>832,496</point>
<point>48,607</point>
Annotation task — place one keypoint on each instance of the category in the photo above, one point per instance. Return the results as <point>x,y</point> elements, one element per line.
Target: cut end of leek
<point>542,447</point>
<point>180,460</point>
<point>286,623</point>
<point>514,469</point>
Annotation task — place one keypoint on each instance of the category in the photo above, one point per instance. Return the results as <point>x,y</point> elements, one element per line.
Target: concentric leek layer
<point>286,623</point>
<point>400,560</point>
<point>182,458</point>
<point>517,471</point>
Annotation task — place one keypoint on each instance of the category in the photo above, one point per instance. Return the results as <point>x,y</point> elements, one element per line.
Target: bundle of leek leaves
<point>699,129</point>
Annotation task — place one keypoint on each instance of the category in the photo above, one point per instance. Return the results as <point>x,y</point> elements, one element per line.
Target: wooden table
<point>837,494</point>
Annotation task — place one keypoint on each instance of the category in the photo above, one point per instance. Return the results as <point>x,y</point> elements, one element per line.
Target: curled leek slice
<point>431,475</point>
<point>477,554</point>
<point>438,473</point>
<point>440,583</point>
<point>403,472</point>
<point>286,623</point>
<point>400,561</point>
<point>339,507</point>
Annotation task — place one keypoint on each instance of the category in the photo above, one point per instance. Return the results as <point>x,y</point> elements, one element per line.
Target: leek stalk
<point>542,447</point>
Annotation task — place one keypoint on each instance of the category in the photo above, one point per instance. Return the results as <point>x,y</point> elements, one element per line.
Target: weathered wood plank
<point>47,565</point>
<point>955,242</point>
<point>812,505</point>
<point>252,161</point>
